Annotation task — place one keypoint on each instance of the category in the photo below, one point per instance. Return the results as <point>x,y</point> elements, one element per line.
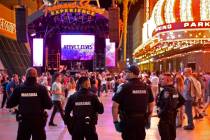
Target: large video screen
<point>38,52</point>
<point>77,47</point>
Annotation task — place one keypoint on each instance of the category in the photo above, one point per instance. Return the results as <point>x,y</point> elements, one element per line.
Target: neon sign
<point>7,26</point>
<point>83,7</point>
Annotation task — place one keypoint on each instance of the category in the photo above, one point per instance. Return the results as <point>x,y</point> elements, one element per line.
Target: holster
<point>19,117</point>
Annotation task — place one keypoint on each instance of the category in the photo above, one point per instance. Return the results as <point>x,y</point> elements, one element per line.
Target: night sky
<point>105,3</point>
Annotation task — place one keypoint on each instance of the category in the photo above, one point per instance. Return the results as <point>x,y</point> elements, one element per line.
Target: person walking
<point>189,98</point>
<point>4,83</point>
<point>179,86</point>
<point>57,97</point>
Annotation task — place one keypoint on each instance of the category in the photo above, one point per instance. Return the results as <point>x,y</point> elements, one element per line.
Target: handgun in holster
<point>19,117</point>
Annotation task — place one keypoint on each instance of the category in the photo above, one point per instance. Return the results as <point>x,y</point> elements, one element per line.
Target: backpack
<point>195,88</point>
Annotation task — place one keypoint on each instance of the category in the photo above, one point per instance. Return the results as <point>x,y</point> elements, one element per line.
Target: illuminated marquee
<point>84,7</point>
<point>182,25</point>
<point>7,26</point>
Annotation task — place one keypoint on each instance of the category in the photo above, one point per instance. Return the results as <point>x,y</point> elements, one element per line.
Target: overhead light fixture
<point>33,34</point>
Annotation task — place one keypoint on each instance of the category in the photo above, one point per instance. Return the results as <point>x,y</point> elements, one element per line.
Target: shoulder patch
<point>119,89</point>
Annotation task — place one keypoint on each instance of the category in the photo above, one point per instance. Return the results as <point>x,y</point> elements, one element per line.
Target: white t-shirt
<point>103,81</point>
<point>154,81</point>
<point>58,88</point>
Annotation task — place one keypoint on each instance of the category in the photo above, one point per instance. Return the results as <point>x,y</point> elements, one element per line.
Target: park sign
<point>182,26</point>
<point>83,7</point>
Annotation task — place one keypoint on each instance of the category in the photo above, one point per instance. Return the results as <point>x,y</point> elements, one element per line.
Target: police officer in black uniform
<point>134,102</point>
<point>85,107</point>
<point>32,99</point>
<point>168,101</point>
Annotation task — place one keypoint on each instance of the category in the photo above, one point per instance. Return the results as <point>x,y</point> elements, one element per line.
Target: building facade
<point>176,35</point>
<point>14,55</point>
<point>135,26</point>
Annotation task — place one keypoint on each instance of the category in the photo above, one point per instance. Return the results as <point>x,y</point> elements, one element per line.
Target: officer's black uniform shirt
<point>83,104</point>
<point>31,98</point>
<point>133,97</point>
<point>169,100</point>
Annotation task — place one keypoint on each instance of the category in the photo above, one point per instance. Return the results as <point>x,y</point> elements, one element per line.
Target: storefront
<point>14,56</point>
<point>176,35</point>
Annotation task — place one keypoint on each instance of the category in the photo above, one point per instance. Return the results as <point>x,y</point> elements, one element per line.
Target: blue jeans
<point>188,111</point>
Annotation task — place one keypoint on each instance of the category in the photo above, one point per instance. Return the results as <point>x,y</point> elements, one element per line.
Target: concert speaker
<point>100,60</point>
<point>21,25</point>
<point>114,29</point>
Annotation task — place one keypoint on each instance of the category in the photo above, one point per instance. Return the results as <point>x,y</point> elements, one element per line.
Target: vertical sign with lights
<point>38,52</point>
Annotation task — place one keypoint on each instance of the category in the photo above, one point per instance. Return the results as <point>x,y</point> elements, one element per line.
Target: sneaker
<point>188,127</point>
<point>52,124</point>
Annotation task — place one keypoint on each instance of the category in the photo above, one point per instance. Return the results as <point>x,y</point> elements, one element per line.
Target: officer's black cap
<point>134,69</point>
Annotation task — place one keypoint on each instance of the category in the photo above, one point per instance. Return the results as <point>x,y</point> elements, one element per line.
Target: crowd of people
<point>194,87</point>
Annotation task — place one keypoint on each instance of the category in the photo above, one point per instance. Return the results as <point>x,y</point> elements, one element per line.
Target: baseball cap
<point>134,69</point>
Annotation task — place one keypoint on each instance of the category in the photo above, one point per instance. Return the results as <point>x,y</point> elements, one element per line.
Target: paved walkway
<point>105,128</point>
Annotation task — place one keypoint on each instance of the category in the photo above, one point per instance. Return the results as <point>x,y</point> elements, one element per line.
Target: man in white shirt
<point>154,84</point>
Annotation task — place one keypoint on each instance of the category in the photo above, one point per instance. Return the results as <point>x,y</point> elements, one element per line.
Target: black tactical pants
<point>31,127</point>
<point>84,131</point>
<point>134,130</point>
<point>167,129</point>
<point>57,107</point>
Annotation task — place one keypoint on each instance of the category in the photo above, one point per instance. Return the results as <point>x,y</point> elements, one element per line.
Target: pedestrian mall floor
<point>105,127</point>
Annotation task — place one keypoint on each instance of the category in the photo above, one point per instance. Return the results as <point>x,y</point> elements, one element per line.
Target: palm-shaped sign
<point>125,22</point>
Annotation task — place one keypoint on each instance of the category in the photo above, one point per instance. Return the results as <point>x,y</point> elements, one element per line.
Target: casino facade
<point>177,34</point>
<point>14,55</point>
